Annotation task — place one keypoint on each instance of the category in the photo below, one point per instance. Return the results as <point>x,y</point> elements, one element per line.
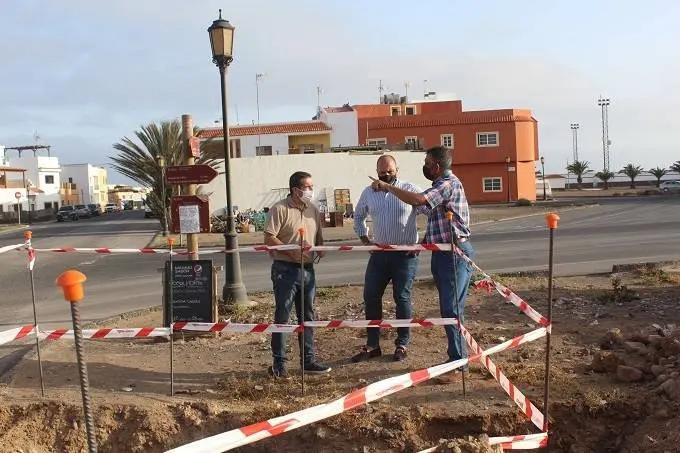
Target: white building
<point>344,125</point>
<point>259,182</point>
<point>90,180</point>
<point>35,177</point>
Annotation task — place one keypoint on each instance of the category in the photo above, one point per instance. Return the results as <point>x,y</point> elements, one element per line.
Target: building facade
<point>89,182</point>
<point>494,151</point>
<point>39,179</point>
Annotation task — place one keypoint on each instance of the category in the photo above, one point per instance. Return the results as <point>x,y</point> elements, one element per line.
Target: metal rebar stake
<point>172,324</point>
<point>454,243</point>
<point>84,381</point>
<point>301,321</point>
<point>552,220</point>
<point>37,340</point>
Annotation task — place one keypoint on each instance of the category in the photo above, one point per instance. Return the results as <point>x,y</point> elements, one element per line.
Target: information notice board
<point>192,291</point>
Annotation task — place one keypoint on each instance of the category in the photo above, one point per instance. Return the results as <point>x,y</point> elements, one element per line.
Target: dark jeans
<point>443,272</point>
<point>286,280</point>
<point>382,267</point>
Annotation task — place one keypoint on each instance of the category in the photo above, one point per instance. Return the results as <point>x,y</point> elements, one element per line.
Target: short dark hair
<point>296,179</point>
<point>441,156</point>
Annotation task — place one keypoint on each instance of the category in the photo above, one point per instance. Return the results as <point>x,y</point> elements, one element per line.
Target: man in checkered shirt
<point>445,195</point>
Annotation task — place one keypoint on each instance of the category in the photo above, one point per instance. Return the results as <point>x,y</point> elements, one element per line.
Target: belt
<point>461,240</point>
<point>308,266</point>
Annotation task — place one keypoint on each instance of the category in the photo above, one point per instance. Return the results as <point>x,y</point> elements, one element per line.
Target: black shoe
<point>278,372</point>
<point>399,354</point>
<point>367,354</point>
<point>316,368</point>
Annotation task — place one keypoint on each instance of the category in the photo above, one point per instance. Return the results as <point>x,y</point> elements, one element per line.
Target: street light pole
<point>258,77</point>
<point>161,163</point>
<point>221,41</point>
<point>545,197</point>
<point>574,139</point>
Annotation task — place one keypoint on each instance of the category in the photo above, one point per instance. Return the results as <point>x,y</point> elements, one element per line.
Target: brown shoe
<point>399,354</point>
<point>366,354</point>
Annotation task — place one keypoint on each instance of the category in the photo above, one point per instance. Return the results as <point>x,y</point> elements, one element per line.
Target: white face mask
<point>307,195</point>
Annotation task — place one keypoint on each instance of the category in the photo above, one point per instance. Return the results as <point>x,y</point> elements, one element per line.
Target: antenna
<point>319,91</point>
<point>407,84</point>
<point>381,88</point>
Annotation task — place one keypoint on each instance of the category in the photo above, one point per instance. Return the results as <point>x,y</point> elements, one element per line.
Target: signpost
<point>193,294</point>
<point>190,214</point>
<point>17,195</point>
<point>190,174</point>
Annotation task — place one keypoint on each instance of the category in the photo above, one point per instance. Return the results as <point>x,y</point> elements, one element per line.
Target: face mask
<point>428,173</point>
<point>389,179</point>
<point>307,195</point>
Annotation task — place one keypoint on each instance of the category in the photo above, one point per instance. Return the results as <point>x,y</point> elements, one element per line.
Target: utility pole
<point>574,139</point>
<point>189,189</point>
<point>258,77</point>
<point>604,105</point>
<point>318,98</point>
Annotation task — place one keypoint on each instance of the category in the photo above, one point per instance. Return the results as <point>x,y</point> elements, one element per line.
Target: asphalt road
<point>588,240</point>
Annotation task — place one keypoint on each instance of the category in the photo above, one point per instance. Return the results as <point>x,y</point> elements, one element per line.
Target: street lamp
<point>28,201</point>
<point>222,44</point>
<point>161,163</point>
<point>507,169</point>
<point>545,197</point>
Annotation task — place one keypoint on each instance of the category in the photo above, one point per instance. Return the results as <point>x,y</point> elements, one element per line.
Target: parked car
<point>83,211</point>
<point>110,207</point>
<point>95,209</point>
<point>67,213</point>
<point>670,186</point>
<point>148,213</point>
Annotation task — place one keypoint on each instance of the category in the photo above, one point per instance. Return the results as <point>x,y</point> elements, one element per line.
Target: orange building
<point>494,151</point>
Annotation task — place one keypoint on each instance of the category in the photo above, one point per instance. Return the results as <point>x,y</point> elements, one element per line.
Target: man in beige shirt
<point>284,221</point>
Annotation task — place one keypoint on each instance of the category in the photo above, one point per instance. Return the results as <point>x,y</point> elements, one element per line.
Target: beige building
<point>88,181</point>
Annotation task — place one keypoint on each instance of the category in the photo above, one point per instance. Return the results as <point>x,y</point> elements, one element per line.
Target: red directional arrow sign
<point>190,174</point>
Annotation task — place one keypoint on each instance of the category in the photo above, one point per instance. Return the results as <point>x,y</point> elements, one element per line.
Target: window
<point>48,205</point>
<point>49,179</point>
<point>411,141</point>
<point>492,185</point>
<point>376,141</point>
<point>396,111</point>
<point>70,180</point>
<point>487,139</point>
<point>410,109</point>
<point>447,140</point>
<point>263,150</point>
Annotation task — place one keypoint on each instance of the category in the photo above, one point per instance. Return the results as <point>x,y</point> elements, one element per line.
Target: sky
<point>84,74</point>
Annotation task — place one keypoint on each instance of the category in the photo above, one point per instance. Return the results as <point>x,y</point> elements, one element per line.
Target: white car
<point>670,186</point>
<point>110,207</point>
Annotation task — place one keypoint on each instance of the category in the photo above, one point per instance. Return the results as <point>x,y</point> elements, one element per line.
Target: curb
<point>12,230</point>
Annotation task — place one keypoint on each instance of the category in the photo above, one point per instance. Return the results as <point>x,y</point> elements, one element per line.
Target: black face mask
<point>428,173</point>
<point>389,179</point>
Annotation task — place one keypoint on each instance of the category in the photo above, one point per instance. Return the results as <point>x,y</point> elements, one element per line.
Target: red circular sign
<point>17,195</point>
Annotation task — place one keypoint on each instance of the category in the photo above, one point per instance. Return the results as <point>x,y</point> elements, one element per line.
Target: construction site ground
<point>614,377</point>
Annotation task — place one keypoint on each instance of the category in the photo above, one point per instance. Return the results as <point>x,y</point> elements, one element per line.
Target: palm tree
<point>658,173</point>
<point>676,166</point>
<point>140,162</point>
<point>632,171</point>
<point>579,168</point>
<point>605,176</point>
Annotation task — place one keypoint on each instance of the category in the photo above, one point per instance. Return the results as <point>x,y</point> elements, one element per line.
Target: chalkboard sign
<point>192,291</point>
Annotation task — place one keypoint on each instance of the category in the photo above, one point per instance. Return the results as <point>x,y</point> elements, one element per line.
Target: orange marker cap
<point>171,241</point>
<point>552,219</point>
<point>28,234</point>
<point>71,283</point>
<point>449,215</point>
<point>301,231</point>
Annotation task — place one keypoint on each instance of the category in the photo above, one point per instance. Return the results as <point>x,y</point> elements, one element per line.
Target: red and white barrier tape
<point>100,334</point>
<point>488,283</point>
<point>9,248</point>
<point>31,253</point>
<point>333,324</point>
<point>524,404</point>
<point>523,442</point>
<point>273,427</point>
<point>17,333</point>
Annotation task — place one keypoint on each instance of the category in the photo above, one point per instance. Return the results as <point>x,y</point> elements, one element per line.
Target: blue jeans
<point>382,267</point>
<point>286,280</point>
<point>443,272</point>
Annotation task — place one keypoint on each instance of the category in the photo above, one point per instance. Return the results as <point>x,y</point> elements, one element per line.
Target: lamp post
<point>222,43</point>
<point>507,169</point>
<point>161,164</point>
<point>28,202</point>
<point>545,197</point>
<point>258,77</point>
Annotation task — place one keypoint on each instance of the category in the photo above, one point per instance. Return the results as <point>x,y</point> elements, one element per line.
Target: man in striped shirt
<point>445,195</point>
<point>394,222</point>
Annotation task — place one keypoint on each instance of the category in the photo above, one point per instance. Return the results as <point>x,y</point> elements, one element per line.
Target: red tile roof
<point>266,129</point>
<point>11,169</point>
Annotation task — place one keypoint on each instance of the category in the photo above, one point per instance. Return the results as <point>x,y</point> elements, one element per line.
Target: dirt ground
<point>614,378</point>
